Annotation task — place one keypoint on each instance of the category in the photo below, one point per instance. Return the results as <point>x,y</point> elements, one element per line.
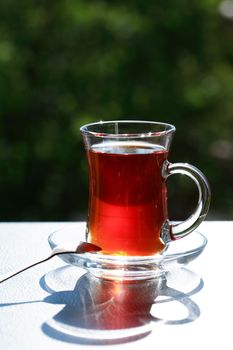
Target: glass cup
<point>128,168</point>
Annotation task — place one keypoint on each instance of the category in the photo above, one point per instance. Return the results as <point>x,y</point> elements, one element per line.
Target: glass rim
<point>168,128</point>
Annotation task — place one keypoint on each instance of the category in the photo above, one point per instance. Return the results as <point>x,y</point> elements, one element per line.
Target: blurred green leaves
<point>69,62</point>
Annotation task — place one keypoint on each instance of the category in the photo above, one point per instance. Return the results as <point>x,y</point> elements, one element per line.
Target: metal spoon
<point>81,248</point>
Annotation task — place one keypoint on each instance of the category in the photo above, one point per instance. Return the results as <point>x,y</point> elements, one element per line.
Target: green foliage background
<point>64,63</point>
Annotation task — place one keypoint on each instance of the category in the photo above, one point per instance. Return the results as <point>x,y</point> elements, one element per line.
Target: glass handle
<point>183,228</point>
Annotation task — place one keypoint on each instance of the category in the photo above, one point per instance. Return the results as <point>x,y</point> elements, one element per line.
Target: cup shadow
<point>99,311</point>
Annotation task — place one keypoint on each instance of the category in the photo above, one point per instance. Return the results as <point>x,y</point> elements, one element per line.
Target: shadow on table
<point>99,311</point>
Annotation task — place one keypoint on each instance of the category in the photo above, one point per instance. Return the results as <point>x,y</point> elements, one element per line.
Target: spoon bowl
<point>80,248</point>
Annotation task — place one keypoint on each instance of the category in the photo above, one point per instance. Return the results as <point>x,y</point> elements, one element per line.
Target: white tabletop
<point>193,312</point>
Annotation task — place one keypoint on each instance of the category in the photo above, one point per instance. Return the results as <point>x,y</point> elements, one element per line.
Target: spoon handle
<point>7,276</point>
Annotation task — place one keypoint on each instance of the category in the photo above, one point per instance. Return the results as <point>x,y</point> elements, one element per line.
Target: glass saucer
<point>179,253</point>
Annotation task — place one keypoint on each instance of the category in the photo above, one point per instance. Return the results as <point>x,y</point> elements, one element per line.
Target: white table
<point>197,314</point>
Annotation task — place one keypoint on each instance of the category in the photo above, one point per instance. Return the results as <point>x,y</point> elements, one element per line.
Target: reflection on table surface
<point>99,311</point>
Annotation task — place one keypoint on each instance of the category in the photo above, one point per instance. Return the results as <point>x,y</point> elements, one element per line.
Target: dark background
<point>65,63</point>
